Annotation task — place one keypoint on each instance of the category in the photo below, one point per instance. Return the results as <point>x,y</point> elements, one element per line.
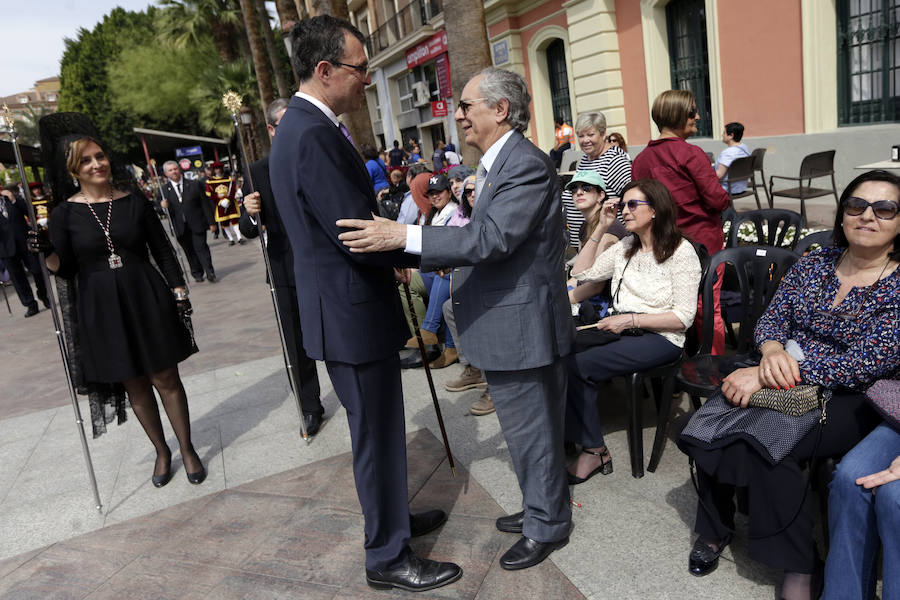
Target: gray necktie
<point>480,176</point>
<point>3,207</point>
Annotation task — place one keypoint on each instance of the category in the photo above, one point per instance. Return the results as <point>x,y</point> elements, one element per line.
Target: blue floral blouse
<point>848,353</point>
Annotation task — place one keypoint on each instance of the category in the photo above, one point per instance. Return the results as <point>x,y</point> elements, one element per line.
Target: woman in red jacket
<point>686,171</point>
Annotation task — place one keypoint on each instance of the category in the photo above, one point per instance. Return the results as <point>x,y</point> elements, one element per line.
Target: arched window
<point>559,80</point>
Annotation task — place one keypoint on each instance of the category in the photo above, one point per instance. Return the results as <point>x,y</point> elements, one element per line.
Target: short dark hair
<point>396,144</point>
<point>735,130</point>
<point>317,39</point>
<point>417,169</point>
<point>840,240</point>
<point>369,153</point>
<point>666,235</point>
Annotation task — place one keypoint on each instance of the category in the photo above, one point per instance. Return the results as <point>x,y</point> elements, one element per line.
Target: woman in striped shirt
<point>600,155</point>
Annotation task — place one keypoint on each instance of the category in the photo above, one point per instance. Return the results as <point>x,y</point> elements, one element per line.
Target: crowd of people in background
<point>636,231</point>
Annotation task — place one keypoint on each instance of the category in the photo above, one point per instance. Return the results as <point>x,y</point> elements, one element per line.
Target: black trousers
<point>373,398</point>
<point>16,266</point>
<point>774,493</point>
<point>197,252</point>
<point>304,367</point>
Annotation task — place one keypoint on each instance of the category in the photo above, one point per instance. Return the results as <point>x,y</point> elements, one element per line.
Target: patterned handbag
<point>885,397</point>
<point>796,401</point>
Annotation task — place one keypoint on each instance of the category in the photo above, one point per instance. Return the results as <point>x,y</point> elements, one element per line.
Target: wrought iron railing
<point>407,20</point>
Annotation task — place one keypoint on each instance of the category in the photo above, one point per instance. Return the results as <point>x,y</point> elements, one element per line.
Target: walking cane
<point>232,101</point>
<point>437,407</point>
<point>79,422</point>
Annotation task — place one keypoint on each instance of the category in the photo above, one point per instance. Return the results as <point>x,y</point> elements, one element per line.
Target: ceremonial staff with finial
<point>10,126</point>
<point>232,101</point>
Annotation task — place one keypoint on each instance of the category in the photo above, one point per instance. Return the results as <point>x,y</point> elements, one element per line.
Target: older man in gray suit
<point>509,297</point>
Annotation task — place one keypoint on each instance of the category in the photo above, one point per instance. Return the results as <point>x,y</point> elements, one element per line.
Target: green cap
<point>591,177</point>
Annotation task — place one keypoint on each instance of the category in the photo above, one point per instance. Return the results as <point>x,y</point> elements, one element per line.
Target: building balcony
<point>409,19</point>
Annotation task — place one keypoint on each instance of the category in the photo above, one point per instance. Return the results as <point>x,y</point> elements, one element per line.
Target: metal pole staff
<point>54,308</point>
<point>232,101</point>
<point>174,241</point>
<point>437,407</point>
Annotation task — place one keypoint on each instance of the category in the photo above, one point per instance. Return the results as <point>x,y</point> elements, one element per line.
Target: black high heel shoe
<point>604,469</point>
<point>161,480</point>
<point>198,477</point>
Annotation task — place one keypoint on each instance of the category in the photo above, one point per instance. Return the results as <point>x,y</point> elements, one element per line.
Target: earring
<point>75,181</point>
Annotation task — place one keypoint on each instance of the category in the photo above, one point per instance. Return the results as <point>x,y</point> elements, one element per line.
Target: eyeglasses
<point>465,105</point>
<point>587,188</point>
<point>362,69</point>
<point>632,204</point>
<point>694,113</point>
<point>883,209</point>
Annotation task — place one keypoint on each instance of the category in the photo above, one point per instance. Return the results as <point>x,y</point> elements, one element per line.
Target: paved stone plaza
<point>278,518</point>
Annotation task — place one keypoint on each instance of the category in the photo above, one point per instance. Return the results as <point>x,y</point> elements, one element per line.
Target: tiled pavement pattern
<point>278,518</point>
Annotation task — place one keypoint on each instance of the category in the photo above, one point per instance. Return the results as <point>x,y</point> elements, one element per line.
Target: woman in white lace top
<point>655,277</point>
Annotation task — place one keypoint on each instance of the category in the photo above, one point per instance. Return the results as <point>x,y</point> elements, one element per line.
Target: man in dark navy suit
<point>259,207</point>
<point>349,309</point>
<point>191,216</point>
<point>14,253</point>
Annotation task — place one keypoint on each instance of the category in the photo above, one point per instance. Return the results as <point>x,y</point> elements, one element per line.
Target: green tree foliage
<point>207,95</point>
<point>84,69</point>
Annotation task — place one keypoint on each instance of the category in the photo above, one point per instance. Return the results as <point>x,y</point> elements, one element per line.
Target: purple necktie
<point>346,133</point>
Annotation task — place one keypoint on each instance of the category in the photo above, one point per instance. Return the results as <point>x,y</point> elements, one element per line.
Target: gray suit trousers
<point>531,407</point>
<point>450,320</point>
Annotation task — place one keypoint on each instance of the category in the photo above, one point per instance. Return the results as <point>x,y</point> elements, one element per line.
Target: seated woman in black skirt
<point>128,325</point>
<point>655,276</point>
<point>833,323</point>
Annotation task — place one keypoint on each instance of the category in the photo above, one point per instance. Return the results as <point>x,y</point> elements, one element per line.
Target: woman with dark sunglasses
<point>654,276</point>
<point>832,323</point>
<point>685,169</point>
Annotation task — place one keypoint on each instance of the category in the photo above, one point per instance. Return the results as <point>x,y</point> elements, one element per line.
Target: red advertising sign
<point>428,50</point>
<point>185,164</point>
<point>439,108</point>
<point>442,67</point>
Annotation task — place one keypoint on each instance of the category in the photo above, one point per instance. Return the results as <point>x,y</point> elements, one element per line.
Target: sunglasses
<point>883,209</point>
<point>693,113</point>
<point>587,188</point>
<point>632,204</point>
<point>468,192</point>
<point>465,105</point>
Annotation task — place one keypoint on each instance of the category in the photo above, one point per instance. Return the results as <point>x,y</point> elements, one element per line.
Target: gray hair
<point>591,119</point>
<point>500,84</point>
<point>170,162</point>
<point>277,105</point>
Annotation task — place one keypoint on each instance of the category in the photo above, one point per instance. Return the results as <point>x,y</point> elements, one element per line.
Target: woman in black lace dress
<point>128,319</point>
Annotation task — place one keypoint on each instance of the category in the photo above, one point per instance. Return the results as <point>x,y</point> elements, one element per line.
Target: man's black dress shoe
<point>198,279</point>
<point>426,522</point>
<point>415,575</point>
<point>313,422</point>
<point>703,560</point>
<point>212,278</point>
<point>511,523</point>
<point>32,310</point>
<point>528,552</point>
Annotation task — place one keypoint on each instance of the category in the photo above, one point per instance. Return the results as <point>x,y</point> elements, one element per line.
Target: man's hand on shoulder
<point>378,235</point>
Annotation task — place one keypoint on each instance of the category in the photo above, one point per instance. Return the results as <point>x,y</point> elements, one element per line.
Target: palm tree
<point>257,51</point>
<point>274,56</point>
<point>468,51</point>
<point>186,22</point>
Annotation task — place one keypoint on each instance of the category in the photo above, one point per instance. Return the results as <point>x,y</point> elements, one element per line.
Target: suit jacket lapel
<point>487,192</point>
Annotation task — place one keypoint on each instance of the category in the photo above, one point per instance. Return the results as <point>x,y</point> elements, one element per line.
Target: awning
<point>162,144</point>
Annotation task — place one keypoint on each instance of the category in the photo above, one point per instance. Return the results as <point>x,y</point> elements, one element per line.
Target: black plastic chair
<point>759,156</point>
<point>662,380</point>
<point>759,271</point>
<point>816,238</point>
<point>741,169</point>
<point>813,166</point>
<point>771,224</point>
